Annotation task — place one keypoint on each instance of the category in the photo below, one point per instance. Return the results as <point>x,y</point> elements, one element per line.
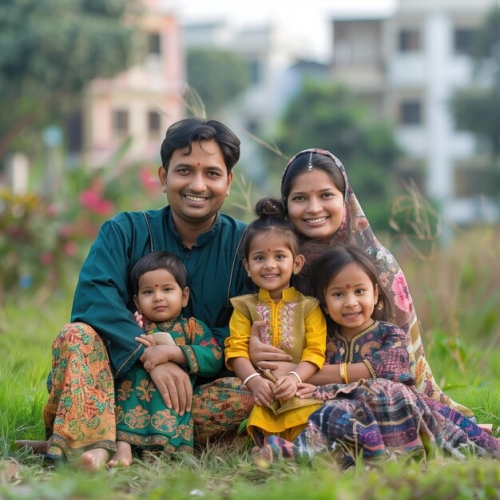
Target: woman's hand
<point>263,355</point>
<point>305,390</point>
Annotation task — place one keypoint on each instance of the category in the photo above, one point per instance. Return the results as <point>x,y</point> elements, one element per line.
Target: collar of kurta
<point>202,239</point>
<point>288,295</point>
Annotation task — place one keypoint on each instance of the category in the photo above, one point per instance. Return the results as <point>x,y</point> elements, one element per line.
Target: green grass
<point>465,363</point>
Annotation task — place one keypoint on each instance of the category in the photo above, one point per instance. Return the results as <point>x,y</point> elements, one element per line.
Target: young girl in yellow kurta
<point>284,317</point>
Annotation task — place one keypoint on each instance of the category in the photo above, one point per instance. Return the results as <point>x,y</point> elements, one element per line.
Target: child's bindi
<point>197,164</point>
<point>268,249</point>
<point>348,286</point>
<point>156,286</point>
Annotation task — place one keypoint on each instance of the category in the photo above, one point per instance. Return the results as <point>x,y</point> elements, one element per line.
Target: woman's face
<point>315,205</point>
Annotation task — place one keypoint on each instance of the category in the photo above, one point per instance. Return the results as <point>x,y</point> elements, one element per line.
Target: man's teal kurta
<point>103,298</point>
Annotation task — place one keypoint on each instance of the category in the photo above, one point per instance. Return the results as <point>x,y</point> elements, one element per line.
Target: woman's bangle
<point>297,375</point>
<point>343,373</point>
<point>250,377</point>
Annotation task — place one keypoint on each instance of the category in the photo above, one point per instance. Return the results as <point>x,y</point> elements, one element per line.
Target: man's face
<point>197,184</point>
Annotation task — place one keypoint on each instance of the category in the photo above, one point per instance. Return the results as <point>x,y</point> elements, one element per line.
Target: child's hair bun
<point>269,207</point>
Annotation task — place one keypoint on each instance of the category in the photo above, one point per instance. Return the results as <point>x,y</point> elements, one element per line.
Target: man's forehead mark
<point>348,286</point>
<point>197,164</point>
<point>268,249</point>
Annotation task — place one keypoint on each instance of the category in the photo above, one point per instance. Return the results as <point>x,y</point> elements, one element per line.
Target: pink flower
<point>70,248</point>
<point>46,258</point>
<point>149,181</point>
<point>92,200</point>
<point>402,297</point>
<point>65,231</point>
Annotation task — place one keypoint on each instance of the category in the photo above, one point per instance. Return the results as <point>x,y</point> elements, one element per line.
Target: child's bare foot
<point>39,447</point>
<point>92,460</point>
<point>122,457</point>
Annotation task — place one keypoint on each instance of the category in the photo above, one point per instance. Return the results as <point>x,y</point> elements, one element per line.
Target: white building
<point>407,66</point>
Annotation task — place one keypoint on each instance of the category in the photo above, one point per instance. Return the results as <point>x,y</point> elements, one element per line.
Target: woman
<point>323,208</point>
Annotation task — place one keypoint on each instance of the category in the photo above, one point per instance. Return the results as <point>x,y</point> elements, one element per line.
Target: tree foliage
<point>217,75</point>
<point>50,49</point>
<point>327,116</point>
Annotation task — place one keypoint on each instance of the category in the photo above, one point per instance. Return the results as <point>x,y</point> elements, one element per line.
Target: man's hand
<point>174,386</point>
<point>263,355</point>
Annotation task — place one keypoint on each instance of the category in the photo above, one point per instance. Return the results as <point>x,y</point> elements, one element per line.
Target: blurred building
<point>276,70</point>
<point>139,103</point>
<point>406,67</point>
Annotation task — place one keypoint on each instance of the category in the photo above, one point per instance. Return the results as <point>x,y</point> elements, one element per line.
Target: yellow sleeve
<point>236,345</point>
<point>314,351</point>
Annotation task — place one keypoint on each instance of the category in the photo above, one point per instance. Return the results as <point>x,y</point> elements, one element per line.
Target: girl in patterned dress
<point>284,318</point>
<point>375,410</point>
<point>143,420</point>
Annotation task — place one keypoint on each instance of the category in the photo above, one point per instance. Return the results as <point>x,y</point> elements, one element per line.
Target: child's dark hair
<point>158,260</point>
<point>271,216</point>
<point>333,260</point>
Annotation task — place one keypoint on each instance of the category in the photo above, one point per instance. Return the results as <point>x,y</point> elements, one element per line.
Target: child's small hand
<point>305,390</point>
<point>285,387</point>
<point>262,390</point>
<point>154,356</point>
<point>141,321</point>
<point>146,340</point>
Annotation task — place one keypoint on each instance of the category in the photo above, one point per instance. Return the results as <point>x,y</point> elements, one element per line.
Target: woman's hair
<point>271,217</point>
<point>183,133</point>
<point>301,163</point>
<point>333,260</point>
<point>158,260</point>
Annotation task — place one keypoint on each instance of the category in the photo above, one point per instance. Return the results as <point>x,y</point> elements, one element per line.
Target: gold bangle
<point>343,373</point>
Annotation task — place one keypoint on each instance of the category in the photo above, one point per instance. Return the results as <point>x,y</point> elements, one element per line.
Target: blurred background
<point>405,92</point>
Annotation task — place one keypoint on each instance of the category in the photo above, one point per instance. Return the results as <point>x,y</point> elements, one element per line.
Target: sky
<point>309,20</point>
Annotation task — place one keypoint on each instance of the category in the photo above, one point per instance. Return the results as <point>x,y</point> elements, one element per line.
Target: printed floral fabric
<point>377,417</point>
<point>79,414</point>
<point>382,346</point>
<point>356,228</point>
<point>142,418</point>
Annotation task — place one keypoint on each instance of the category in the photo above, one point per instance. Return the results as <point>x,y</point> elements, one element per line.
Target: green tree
<point>328,116</point>
<point>217,76</point>
<point>50,49</point>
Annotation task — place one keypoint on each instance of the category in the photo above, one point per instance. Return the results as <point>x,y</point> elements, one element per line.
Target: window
<point>120,121</point>
<point>409,40</point>
<point>410,112</point>
<point>463,41</point>
<point>154,43</point>
<point>154,122</point>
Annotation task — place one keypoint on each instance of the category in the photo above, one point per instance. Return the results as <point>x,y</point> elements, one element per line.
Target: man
<point>99,344</point>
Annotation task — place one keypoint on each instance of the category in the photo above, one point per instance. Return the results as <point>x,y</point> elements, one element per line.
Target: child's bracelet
<point>297,375</point>
<point>343,373</point>
<point>250,377</point>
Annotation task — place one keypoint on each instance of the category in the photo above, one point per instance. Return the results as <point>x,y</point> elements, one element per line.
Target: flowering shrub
<point>43,242</point>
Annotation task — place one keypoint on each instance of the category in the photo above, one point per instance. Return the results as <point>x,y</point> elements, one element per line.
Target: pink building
<point>141,102</point>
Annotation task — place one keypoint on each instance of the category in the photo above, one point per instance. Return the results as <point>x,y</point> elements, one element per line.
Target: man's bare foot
<point>122,457</point>
<point>92,460</point>
<point>39,447</point>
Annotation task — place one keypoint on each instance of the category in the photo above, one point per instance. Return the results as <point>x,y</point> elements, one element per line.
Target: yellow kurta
<point>296,325</point>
